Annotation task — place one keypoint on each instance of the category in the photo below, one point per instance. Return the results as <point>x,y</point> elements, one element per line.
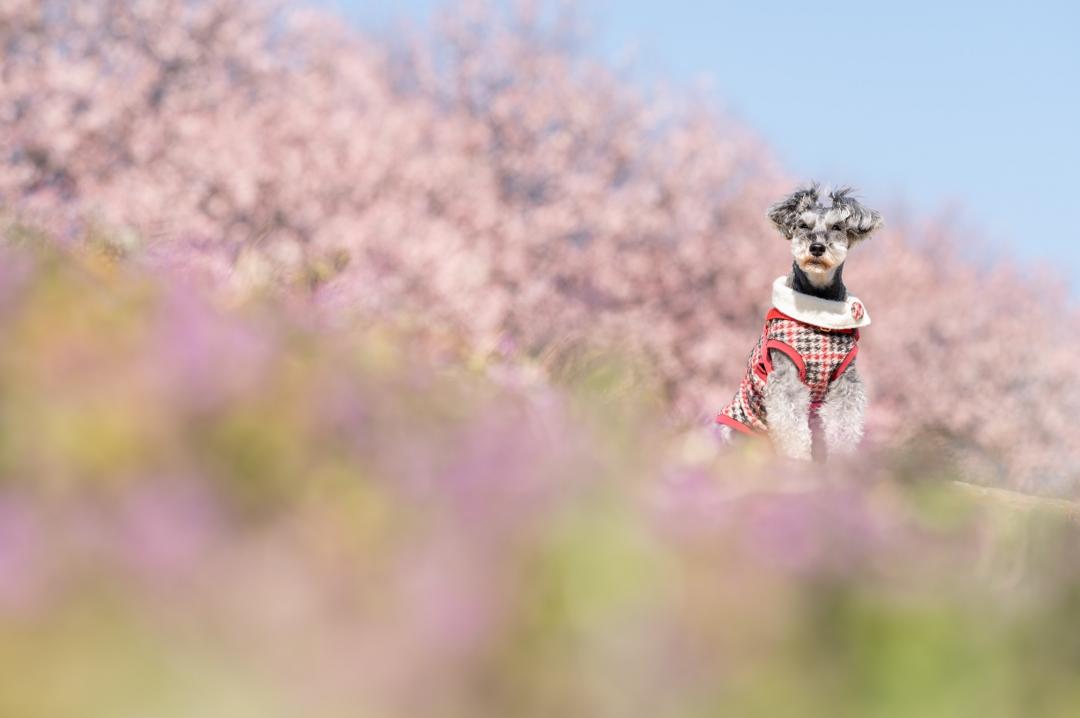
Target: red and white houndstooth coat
<point>819,335</point>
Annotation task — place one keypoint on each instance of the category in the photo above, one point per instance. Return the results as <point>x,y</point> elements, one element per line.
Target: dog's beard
<point>818,270</point>
<point>818,265</point>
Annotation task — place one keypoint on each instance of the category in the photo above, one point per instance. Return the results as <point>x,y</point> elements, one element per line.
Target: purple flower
<point>207,359</point>
<point>688,501</point>
<point>820,530</point>
<point>20,570</point>
<point>165,527</point>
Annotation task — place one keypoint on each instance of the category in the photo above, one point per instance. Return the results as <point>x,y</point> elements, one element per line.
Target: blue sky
<point>922,104</point>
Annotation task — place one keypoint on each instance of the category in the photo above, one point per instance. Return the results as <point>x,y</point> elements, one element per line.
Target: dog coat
<point>819,335</point>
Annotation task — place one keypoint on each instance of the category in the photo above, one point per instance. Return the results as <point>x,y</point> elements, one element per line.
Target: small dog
<point>800,379</point>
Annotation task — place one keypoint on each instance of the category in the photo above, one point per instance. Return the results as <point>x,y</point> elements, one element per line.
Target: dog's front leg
<point>842,413</point>
<point>787,408</point>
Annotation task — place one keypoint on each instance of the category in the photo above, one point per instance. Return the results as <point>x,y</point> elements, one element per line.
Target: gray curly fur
<point>859,221</point>
<point>842,413</point>
<point>787,406</point>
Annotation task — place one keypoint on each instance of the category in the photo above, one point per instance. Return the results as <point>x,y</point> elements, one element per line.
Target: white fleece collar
<point>827,313</point>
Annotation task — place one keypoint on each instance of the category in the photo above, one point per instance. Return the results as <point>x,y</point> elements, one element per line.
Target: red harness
<point>821,355</point>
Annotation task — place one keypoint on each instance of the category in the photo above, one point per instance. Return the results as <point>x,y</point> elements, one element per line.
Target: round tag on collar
<point>857,310</point>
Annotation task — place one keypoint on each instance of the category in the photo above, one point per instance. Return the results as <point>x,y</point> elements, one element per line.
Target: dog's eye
<point>803,225</point>
<point>836,227</point>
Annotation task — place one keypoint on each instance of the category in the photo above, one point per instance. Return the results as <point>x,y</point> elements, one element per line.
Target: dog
<point>801,389</point>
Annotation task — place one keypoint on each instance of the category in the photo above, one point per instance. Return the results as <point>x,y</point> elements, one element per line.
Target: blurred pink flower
<point>21,565</point>
<point>166,528</point>
<point>206,358</point>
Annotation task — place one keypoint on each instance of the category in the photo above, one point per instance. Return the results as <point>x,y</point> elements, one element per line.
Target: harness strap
<point>846,361</point>
<point>787,349</point>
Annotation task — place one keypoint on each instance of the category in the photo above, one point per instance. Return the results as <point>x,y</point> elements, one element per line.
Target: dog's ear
<point>785,213</point>
<point>864,222</point>
<point>861,221</point>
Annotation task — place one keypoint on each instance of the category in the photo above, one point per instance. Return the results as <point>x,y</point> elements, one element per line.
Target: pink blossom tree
<point>488,180</point>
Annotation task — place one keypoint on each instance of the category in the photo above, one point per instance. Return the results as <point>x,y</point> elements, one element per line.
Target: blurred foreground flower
<point>239,512</point>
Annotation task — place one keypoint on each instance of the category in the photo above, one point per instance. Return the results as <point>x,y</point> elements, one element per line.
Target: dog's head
<point>822,226</point>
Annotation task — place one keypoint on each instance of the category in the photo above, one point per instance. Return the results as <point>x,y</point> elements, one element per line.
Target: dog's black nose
<point>817,249</point>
